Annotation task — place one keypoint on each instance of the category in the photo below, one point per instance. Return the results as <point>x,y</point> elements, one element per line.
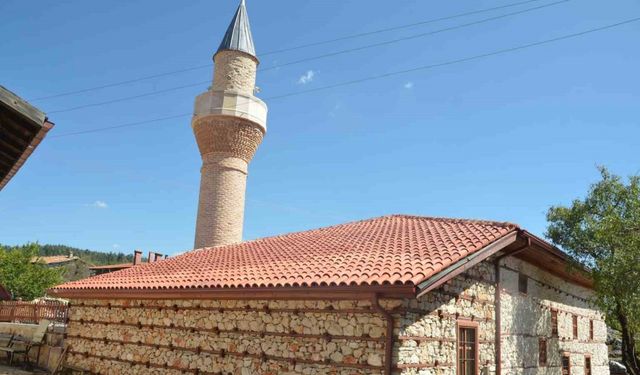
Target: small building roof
<point>238,36</point>
<point>390,250</point>
<point>54,259</point>
<point>22,128</point>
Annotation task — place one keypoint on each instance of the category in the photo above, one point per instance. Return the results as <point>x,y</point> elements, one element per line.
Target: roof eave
<point>560,267</point>
<point>466,263</point>
<point>286,293</point>
<point>46,126</point>
<point>556,262</point>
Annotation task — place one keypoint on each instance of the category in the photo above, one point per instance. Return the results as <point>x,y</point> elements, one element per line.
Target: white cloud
<point>116,246</point>
<point>307,77</point>
<point>99,204</point>
<point>408,85</point>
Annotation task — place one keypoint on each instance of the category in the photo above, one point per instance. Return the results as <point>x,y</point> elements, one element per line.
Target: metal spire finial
<point>238,36</point>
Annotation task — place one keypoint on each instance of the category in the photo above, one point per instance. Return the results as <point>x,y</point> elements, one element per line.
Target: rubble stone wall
<point>343,337</point>
<point>226,336</point>
<point>234,70</point>
<point>527,317</point>
<point>427,342</point>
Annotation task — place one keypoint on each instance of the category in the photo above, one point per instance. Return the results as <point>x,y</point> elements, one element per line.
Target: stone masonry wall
<point>428,331</point>
<point>227,337</point>
<point>527,317</point>
<point>342,337</point>
<point>427,342</point>
<point>235,71</point>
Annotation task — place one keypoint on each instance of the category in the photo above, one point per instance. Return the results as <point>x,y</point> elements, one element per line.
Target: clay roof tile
<point>381,251</point>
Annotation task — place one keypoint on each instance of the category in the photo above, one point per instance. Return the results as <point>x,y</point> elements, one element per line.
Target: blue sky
<point>499,138</point>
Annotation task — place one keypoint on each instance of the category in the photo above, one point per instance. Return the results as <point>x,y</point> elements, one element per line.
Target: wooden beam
<point>9,156</point>
<point>8,133</point>
<point>284,293</point>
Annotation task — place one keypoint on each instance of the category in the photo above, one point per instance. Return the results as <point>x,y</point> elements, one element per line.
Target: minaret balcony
<point>231,103</point>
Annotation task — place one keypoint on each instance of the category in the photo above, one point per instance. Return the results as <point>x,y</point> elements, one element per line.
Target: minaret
<point>229,123</point>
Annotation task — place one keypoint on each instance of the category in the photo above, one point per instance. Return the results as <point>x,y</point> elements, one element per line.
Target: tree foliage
<point>22,278</point>
<point>602,232</point>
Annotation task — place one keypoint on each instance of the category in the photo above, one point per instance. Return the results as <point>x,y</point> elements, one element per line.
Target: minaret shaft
<point>229,124</point>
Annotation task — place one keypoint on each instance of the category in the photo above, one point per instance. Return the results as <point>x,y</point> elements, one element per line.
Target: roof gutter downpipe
<point>498,300</point>
<point>388,346</point>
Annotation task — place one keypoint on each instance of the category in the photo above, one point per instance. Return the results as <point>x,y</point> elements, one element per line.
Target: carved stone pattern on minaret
<point>235,70</point>
<point>235,137</point>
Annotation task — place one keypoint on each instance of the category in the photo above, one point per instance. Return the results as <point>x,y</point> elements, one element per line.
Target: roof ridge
<point>506,224</point>
<point>503,224</point>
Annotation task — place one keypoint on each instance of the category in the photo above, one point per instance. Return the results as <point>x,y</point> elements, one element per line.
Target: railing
<point>33,312</point>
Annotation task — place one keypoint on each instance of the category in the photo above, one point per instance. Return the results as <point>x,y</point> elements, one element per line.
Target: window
<point>554,322</point>
<point>587,365</point>
<point>566,365</point>
<point>542,351</point>
<point>591,330</point>
<point>523,283</point>
<point>575,326</point>
<point>467,350</point>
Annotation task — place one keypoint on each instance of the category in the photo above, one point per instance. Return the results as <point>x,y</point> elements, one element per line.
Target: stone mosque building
<point>389,295</point>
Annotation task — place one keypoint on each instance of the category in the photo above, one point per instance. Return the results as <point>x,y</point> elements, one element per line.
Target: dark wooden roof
<point>22,128</point>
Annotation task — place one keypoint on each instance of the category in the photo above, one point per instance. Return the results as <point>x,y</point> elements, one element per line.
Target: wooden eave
<point>553,260</point>
<point>22,128</point>
<point>281,293</point>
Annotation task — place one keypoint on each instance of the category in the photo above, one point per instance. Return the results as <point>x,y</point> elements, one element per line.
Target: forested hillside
<point>96,258</point>
<point>73,270</point>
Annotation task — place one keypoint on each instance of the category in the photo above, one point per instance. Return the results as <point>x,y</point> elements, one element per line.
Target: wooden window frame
<point>568,357</point>
<point>542,345</point>
<point>590,367</point>
<point>554,323</point>
<point>575,322</point>
<point>475,326</point>
<point>523,283</point>
<point>591,329</point>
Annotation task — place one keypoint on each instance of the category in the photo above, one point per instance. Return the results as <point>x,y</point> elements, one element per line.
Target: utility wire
<point>127,125</point>
<point>347,37</point>
<point>398,27</point>
<point>381,76</point>
<point>318,57</point>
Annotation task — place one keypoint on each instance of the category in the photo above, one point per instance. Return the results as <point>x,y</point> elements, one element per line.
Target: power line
<point>386,75</point>
<point>313,44</point>
<point>127,98</point>
<point>367,33</point>
<point>331,54</point>
<point>127,125</point>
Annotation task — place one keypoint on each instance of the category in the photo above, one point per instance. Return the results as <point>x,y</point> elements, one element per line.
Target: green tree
<point>22,278</point>
<point>602,232</point>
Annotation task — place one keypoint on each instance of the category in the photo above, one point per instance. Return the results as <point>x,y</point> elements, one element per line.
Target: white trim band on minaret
<point>230,103</point>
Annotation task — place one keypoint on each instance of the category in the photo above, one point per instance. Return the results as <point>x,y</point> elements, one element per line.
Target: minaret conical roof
<point>238,36</point>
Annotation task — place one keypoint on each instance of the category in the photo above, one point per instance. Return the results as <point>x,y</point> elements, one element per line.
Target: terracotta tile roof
<point>387,250</point>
